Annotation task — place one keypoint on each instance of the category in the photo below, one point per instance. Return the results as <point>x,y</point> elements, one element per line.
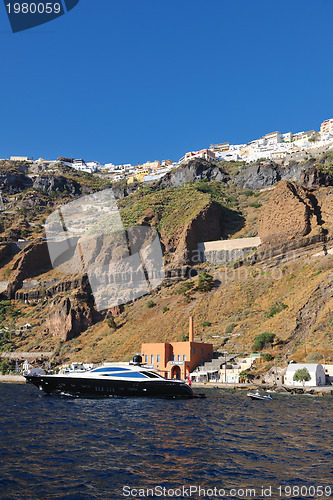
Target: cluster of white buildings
<point>276,146</point>
<point>272,146</point>
<point>149,171</point>
<point>231,369</point>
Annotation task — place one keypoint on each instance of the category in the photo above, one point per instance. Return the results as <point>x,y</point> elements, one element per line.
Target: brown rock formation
<point>66,285</point>
<point>325,200</point>
<point>30,262</point>
<point>181,247</point>
<point>71,316</point>
<point>289,214</point>
<point>315,177</point>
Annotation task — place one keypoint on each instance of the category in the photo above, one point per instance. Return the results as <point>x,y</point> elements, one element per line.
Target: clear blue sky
<point>130,81</point>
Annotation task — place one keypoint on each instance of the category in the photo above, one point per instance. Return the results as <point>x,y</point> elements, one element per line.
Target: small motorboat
<point>257,395</point>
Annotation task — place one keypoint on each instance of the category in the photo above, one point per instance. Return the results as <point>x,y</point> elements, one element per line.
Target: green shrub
<point>5,308</point>
<point>206,323</point>
<point>245,375</point>
<point>111,323</point>
<point>187,298</point>
<point>185,287</point>
<point>165,309</point>
<point>205,283</point>
<point>248,192</point>
<point>150,304</point>
<point>4,367</point>
<point>255,205</point>
<point>275,309</point>
<point>262,340</point>
<point>267,356</point>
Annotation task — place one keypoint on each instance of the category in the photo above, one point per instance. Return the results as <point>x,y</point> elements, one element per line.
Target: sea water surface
<point>224,446</point>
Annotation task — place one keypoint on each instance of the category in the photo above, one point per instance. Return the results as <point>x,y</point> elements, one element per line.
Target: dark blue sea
<point>225,446</point>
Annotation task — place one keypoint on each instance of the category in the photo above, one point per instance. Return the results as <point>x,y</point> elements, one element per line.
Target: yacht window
<point>152,375</point>
<point>152,359</point>
<point>109,369</point>
<point>129,374</point>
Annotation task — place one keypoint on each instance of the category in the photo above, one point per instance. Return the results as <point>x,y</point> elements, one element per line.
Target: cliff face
<point>193,171</point>
<point>70,316</point>
<point>49,183</point>
<point>13,183</point>
<point>121,190</point>
<point>313,178</point>
<point>30,262</point>
<point>63,286</point>
<point>208,225</point>
<point>290,214</point>
<point>258,176</point>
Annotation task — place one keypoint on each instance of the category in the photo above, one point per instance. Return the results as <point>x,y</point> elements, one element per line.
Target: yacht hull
<point>104,387</point>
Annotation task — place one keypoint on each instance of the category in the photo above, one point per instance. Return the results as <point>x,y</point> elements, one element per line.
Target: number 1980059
<point>33,8</point>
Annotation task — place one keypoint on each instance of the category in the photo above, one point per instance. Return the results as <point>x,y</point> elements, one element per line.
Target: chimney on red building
<point>190,331</point>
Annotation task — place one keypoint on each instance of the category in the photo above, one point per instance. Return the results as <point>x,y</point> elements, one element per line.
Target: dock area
<point>319,390</point>
<point>12,379</point>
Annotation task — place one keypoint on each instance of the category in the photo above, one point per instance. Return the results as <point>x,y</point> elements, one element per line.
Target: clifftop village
<point>272,146</point>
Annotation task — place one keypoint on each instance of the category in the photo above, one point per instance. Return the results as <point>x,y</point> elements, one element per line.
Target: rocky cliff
<point>13,183</point>
<point>31,261</point>
<point>198,202</point>
<point>193,171</point>
<point>68,317</point>
<point>290,213</point>
<point>182,246</point>
<point>257,176</point>
<point>48,184</point>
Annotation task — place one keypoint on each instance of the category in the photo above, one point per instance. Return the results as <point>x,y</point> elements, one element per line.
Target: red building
<point>177,359</point>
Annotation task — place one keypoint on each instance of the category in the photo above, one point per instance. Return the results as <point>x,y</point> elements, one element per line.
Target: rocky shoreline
<point>315,390</point>
<point>12,379</point>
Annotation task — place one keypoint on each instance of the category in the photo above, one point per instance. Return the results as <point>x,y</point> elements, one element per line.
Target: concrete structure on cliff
<point>177,359</point>
<point>225,251</point>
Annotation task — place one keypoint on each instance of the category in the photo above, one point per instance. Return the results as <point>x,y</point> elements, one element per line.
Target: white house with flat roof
<point>316,372</point>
